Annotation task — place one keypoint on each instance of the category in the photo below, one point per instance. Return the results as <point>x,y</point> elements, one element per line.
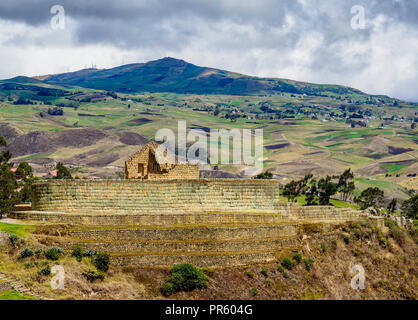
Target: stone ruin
<point>162,214</point>
<point>152,162</point>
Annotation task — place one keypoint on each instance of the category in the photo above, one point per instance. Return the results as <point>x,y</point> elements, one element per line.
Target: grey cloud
<point>230,26</point>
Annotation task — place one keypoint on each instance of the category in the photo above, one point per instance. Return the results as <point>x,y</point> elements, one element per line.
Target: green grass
<point>393,167</point>
<point>14,295</point>
<point>344,204</point>
<point>17,229</point>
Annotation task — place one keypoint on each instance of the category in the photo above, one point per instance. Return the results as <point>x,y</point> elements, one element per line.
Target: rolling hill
<point>173,75</point>
<point>105,115</point>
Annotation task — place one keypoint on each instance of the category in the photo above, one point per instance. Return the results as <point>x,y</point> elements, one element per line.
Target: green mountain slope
<point>173,75</point>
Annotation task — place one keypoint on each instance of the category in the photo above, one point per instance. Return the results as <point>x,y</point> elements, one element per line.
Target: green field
<point>302,132</point>
<point>14,295</point>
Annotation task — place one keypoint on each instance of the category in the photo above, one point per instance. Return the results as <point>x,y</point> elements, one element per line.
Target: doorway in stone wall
<point>141,169</point>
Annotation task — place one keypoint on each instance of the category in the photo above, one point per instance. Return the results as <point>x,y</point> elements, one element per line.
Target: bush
<point>264,272</point>
<point>297,257</point>
<point>28,265</point>
<point>323,247</point>
<point>77,253</point>
<point>287,263</point>
<point>395,231</point>
<point>53,253</point>
<point>102,261</point>
<point>26,253</point>
<point>167,289</point>
<point>286,274</point>
<point>93,275</point>
<point>46,270</point>
<point>13,240</point>
<point>383,242</point>
<point>89,253</point>
<point>280,268</point>
<point>308,263</point>
<point>347,239</point>
<point>357,233</point>
<point>186,277</point>
<point>38,253</point>
<point>250,274</point>
<point>254,291</point>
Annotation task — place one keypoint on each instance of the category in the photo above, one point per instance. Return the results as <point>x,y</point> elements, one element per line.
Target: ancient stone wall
<point>144,196</point>
<point>179,171</point>
<point>208,222</point>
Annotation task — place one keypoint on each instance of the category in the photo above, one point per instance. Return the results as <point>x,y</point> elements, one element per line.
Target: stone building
<point>154,163</point>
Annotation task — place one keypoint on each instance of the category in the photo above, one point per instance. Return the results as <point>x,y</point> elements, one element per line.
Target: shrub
<point>286,274</point>
<point>92,275</point>
<point>186,277</point>
<point>280,268</point>
<point>347,239</point>
<point>297,257</point>
<point>38,253</point>
<point>13,240</point>
<point>53,253</point>
<point>264,272</point>
<point>28,265</point>
<point>102,261</point>
<point>89,253</point>
<point>167,289</point>
<point>77,253</point>
<point>323,247</point>
<point>357,233</point>
<point>308,263</point>
<point>26,253</point>
<point>383,242</point>
<point>254,291</point>
<point>395,231</point>
<point>250,274</point>
<point>287,263</point>
<point>46,270</point>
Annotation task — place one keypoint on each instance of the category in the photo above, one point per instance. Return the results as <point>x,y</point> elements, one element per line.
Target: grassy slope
<point>17,229</point>
<point>314,145</point>
<point>391,271</point>
<point>14,295</point>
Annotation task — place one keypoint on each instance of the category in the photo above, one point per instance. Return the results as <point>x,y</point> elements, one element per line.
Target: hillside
<point>387,256</point>
<point>316,128</point>
<point>173,75</point>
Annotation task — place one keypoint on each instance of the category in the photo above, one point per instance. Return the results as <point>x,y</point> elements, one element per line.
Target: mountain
<point>173,75</point>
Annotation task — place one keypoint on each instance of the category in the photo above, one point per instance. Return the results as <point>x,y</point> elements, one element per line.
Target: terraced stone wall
<point>142,196</point>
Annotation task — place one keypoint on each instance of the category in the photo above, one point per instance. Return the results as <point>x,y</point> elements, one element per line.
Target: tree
<point>63,172</point>
<point>326,189</point>
<point>291,190</point>
<point>311,194</point>
<point>410,207</point>
<point>303,183</point>
<point>264,175</point>
<point>24,170</point>
<point>346,184</point>
<point>8,184</point>
<point>392,205</point>
<point>55,111</point>
<point>371,197</point>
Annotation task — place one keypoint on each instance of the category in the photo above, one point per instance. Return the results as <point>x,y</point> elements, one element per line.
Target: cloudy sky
<point>306,40</point>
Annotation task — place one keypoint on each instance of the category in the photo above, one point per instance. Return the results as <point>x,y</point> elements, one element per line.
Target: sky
<point>319,41</point>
